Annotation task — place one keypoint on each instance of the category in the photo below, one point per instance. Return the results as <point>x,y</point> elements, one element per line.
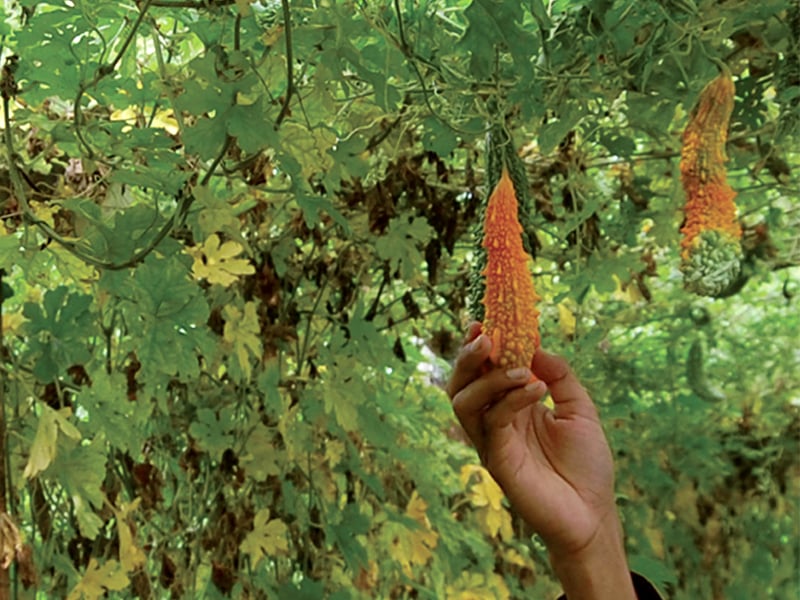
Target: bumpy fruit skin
<point>500,155</point>
<point>710,249</point>
<point>510,320</point>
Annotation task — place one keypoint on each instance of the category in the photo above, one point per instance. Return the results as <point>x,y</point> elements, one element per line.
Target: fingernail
<point>535,387</point>
<point>476,344</point>
<point>519,373</point>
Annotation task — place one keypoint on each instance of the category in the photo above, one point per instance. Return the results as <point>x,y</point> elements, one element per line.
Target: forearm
<point>599,571</point>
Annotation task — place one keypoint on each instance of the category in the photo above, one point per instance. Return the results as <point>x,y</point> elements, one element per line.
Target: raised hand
<point>554,464</point>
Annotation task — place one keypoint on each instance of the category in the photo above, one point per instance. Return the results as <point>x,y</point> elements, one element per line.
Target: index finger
<point>569,396</point>
<point>469,361</point>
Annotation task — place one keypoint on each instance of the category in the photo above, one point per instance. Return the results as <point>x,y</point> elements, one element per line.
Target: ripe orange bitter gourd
<point>510,319</point>
<point>710,247</point>
<point>500,154</point>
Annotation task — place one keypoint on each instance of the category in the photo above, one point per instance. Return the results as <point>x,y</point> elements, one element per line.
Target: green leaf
<point>344,535</point>
<point>171,313</point>
<point>109,409</point>
<point>59,328</point>
<point>438,138</point>
<point>496,24</point>
<point>251,128</point>
<point>314,206</point>
<point>361,341</point>
<point>198,97</point>
<point>539,13</point>
<point>348,159</point>
<point>653,570</point>
<point>552,132</point>
<point>206,137</point>
<point>214,213</point>
<point>81,469</point>
<point>212,433</point>
<point>306,589</point>
<point>268,382</point>
<point>162,177</point>
<point>9,250</point>
<point>649,113</point>
<point>618,145</point>
<point>401,245</point>
<point>342,398</point>
<point>134,229</point>
<point>89,524</point>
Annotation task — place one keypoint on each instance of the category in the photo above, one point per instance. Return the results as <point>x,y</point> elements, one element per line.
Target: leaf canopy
<point>235,253</point>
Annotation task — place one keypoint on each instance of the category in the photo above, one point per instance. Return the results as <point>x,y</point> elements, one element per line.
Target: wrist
<point>599,569</point>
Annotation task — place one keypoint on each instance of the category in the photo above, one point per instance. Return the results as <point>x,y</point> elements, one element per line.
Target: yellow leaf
<point>313,145</point>
<point>467,471</point>
<point>415,546</point>
<point>130,555</point>
<point>241,331</point>
<point>627,292</point>
<point>260,454</point>
<point>485,491</point>
<point>244,7</point>
<point>45,212</point>
<point>334,451</point>
<point>512,556</point>
<point>67,428</point>
<point>128,114</point>
<point>97,581</point>
<point>417,509</point>
<point>12,321</point>
<point>43,449</point>
<point>495,522</point>
<point>165,119</point>
<point>216,263</point>
<point>268,538</point>
<point>487,497</point>
<point>655,535</point>
<point>566,319</point>
<point>477,586</point>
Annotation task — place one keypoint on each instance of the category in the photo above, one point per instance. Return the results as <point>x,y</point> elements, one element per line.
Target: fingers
<point>470,360</point>
<point>484,401</point>
<point>503,413</point>
<point>472,402</point>
<point>473,330</point>
<point>569,396</point>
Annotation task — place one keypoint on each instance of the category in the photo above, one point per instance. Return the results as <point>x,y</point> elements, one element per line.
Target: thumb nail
<point>536,387</point>
<point>519,373</point>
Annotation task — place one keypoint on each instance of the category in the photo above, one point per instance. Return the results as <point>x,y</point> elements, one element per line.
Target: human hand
<point>554,465</point>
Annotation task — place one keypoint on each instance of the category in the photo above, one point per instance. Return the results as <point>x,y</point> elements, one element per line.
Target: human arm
<point>554,465</point>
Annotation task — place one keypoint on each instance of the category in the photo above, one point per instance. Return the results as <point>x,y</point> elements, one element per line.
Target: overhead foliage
<point>235,256</point>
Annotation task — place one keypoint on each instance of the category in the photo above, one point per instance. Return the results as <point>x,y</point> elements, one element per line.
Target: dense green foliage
<point>236,257</point>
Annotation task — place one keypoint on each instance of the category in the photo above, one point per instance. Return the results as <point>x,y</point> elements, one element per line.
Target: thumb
<point>569,396</point>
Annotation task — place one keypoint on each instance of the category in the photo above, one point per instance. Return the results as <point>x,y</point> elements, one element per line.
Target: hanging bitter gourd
<point>710,248</point>
<point>500,154</point>
<point>502,291</point>
<point>511,319</point>
<point>696,376</point>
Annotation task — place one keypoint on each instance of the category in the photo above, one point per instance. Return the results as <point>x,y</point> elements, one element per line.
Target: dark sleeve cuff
<point>644,589</point>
